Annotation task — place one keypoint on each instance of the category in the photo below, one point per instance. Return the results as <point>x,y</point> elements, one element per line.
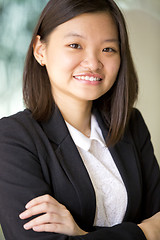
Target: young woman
<point>78,162</point>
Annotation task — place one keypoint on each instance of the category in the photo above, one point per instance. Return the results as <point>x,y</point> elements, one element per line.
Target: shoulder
<point>22,117</point>
<point>137,122</point>
<point>136,117</point>
<point>20,120</point>
<point>18,123</point>
<point>137,128</point>
<point>19,129</point>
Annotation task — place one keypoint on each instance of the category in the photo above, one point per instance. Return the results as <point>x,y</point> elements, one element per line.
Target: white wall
<point>144,33</point>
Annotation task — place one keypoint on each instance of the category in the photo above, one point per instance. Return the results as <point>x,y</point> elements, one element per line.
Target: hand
<point>55,217</point>
<point>151,227</point>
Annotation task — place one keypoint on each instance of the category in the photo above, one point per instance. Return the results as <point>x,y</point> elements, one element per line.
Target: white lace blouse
<point>111,194</point>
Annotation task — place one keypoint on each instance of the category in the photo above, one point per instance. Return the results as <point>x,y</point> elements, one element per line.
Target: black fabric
<point>41,158</point>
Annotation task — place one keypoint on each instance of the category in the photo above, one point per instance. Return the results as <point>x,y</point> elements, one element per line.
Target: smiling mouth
<point>87,78</point>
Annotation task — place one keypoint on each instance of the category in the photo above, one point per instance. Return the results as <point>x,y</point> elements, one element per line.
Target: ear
<point>39,50</point>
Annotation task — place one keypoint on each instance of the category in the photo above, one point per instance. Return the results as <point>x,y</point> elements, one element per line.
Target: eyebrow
<point>111,40</point>
<point>72,34</point>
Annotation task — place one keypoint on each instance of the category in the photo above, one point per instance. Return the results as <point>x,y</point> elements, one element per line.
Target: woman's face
<point>82,57</point>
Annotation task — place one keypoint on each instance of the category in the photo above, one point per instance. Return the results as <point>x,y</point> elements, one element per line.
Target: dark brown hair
<point>116,105</point>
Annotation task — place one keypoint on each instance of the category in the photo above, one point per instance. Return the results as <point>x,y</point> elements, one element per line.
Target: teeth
<point>87,78</point>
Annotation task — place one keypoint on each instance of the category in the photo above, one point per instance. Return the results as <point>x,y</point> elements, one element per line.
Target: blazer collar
<point>55,128</point>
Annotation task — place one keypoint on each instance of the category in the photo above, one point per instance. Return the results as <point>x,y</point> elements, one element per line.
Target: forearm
<point>150,235</point>
<point>124,231</point>
<point>151,227</point>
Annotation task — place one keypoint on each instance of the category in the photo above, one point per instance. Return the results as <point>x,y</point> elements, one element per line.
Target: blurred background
<point>17,21</point>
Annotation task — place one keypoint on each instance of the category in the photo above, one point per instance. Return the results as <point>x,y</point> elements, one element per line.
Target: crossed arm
<point>56,218</point>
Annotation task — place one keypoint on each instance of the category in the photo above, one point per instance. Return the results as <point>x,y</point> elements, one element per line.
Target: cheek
<point>114,67</point>
<point>70,63</point>
<point>60,65</point>
<point>111,71</point>
<point>65,62</point>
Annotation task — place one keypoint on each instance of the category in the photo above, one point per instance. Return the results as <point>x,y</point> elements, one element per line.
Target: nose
<point>92,62</point>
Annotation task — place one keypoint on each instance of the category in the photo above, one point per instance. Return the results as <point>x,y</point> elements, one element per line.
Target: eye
<point>110,50</point>
<point>75,45</point>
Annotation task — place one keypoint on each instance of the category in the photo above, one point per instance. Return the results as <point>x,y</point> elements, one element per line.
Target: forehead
<point>88,24</point>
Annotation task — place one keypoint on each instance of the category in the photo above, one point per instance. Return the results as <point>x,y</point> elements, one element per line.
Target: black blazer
<point>39,158</point>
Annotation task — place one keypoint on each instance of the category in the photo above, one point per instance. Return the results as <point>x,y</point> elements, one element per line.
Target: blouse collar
<point>83,141</point>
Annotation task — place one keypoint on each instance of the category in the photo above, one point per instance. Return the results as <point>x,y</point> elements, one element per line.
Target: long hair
<point>116,105</point>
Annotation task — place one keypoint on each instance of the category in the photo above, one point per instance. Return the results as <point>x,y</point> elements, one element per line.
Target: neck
<point>77,114</point>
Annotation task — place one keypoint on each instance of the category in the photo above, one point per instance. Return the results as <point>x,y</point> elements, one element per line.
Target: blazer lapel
<point>74,168</point>
<point>125,160</point>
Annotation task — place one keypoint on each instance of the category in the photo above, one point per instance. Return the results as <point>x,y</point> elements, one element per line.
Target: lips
<point>89,77</point>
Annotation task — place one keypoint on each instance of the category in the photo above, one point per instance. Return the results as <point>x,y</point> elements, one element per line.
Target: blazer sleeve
<point>22,179</point>
<point>148,164</point>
